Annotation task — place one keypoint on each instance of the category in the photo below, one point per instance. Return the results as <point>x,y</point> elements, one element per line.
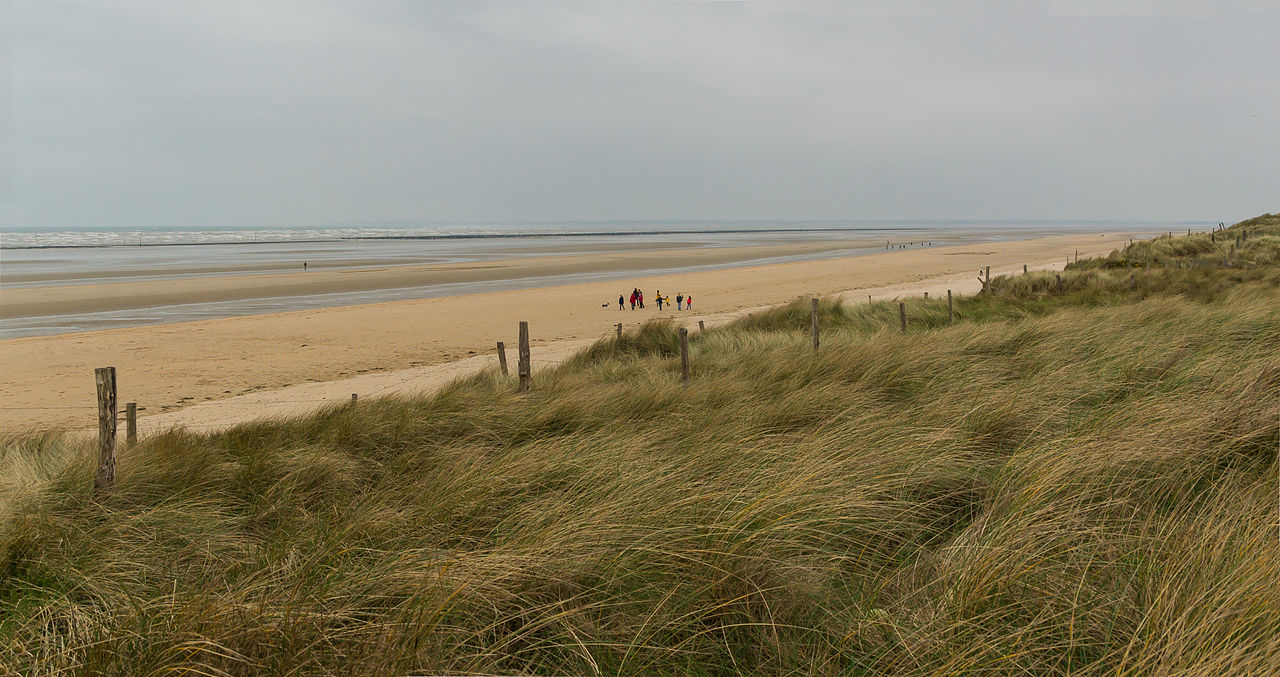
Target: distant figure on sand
<point>688,302</point>
<point>304,265</point>
<point>633,299</point>
<point>620,300</point>
<point>640,294</point>
<point>679,301</point>
<point>659,301</point>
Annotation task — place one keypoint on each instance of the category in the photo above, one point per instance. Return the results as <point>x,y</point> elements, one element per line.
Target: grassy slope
<point>1073,480</point>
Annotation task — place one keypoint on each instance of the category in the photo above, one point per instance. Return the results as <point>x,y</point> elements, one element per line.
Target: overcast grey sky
<point>272,113</point>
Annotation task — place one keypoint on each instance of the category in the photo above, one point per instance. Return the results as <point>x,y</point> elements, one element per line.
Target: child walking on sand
<point>688,302</point>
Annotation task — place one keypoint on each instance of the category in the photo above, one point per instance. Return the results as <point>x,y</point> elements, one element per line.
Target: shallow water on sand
<point>55,258</point>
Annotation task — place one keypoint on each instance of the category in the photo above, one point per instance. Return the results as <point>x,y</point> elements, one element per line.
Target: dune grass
<point>1074,478</point>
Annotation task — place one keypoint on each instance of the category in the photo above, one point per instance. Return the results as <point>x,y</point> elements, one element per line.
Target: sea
<point>47,257</point>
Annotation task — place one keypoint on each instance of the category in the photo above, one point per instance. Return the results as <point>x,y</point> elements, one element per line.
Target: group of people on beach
<point>683,301</point>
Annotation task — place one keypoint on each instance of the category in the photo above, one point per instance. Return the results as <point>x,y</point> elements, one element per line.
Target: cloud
<point>296,113</point>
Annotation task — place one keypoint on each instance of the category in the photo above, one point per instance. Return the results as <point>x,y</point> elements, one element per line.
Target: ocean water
<point>41,257</point>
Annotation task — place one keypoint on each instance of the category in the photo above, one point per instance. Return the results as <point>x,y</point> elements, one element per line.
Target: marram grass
<point>1071,479</point>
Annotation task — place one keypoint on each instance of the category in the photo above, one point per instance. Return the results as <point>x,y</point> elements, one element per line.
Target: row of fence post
<point>105,378</point>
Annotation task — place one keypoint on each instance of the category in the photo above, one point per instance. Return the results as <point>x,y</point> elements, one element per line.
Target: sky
<point>246,113</point>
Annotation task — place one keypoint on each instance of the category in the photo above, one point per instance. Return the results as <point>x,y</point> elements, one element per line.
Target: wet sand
<point>48,380</point>
<point>61,299</point>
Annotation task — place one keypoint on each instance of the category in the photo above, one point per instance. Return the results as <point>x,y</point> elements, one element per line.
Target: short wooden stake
<point>131,422</point>
<point>684,356</point>
<point>619,326</point>
<point>502,358</point>
<point>525,368</point>
<point>951,312</point>
<point>354,397</point>
<point>1024,269</point>
<point>813,317</point>
<point>926,296</point>
<point>701,327</point>
<point>902,315</point>
<point>105,479</point>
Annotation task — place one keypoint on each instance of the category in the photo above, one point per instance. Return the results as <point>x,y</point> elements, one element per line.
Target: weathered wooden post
<point>131,422</point>
<point>1058,281</point>
<point>525,369</point>
<point>926,296</point>
<point>701,327</point>
<point>813,318</point>
<point>951,312</point>
<point>684,356</point>
<point>502,357</point>
<point>105,479</point>
<point>354,397</point>
<point>902,315</point>
<point>1024,269</point>
<point>619,327</point>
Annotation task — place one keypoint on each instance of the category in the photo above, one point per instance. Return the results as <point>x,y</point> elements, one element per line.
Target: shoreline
<point>51,300</point>
<point>171,367</point>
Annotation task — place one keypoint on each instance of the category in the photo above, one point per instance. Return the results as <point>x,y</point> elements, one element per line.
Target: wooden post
<point>684,356</point>
<point>131,423</point>
<point>525,368</point>
<point>701,327</point>
<point>105,479</point>
<point>354,397</point>
<point>926,296</point>
<point>1024,269</point>
<point>951,312</point>
<point>1058,281</point>
<point>813,317</point>
<point>619,326</point>
<point>502,358</point>
<point>1077,256</point>
<point>902,315</point>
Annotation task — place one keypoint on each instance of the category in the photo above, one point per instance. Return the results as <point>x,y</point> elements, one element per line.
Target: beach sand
<point>216,372</point>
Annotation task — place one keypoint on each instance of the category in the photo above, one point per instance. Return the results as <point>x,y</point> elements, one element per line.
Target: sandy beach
<point>214,372</point>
